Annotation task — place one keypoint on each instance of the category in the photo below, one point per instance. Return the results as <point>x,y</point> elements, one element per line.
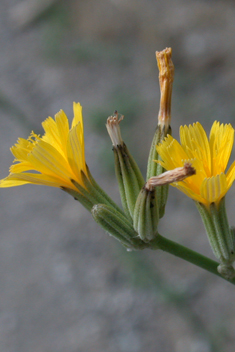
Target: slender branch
<point>187,254</point>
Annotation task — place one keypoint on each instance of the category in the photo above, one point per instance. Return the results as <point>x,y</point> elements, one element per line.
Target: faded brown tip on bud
<point>175,175</point>
<point>113,128</point>
<point>166,78</point>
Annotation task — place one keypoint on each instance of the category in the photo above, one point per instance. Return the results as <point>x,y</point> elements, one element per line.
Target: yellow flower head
<point>53,159</point>
<point>208,157</point>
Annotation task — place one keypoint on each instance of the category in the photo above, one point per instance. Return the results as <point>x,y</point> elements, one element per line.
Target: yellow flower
<point>53,159</point>
<point>208,157</point>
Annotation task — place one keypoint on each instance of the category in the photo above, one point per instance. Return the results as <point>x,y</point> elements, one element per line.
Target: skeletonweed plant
<point>196,166</point>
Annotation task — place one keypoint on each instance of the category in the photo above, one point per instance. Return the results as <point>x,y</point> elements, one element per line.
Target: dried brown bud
<point>175,175</point>
<point>166,78</point>
<point>114,129</point>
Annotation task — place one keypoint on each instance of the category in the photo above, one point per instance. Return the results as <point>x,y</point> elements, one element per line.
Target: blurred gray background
<point>65,285</point>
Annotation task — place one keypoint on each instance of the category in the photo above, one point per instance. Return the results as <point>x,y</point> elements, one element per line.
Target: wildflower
<point>54,159</point>
<point>57,159</point>
<point>208,157</point>
<point>130,179</point>
<point>209,185</point>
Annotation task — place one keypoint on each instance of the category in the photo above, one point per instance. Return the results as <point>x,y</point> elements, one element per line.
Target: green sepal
<point>93,192</point>
<point>153,154</point>
<point>118,172</point>
<point>117,226</point>
<point>146,214</point>
<point>135,167</point>
<point>232,230</point>
<point>228,232</point>
<point>219,234</point>
<point>155,169</point>
<point>129,177</point>
<point>87,202</point>
<point>98,192</point>
<point>162,195</point>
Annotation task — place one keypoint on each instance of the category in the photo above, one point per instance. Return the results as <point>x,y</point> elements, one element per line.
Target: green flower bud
<point>146,215</point>
<point>130,179</point>
<point>117,226</point>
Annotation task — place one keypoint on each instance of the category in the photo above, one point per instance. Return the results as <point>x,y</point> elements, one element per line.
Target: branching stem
<point>187,254</point>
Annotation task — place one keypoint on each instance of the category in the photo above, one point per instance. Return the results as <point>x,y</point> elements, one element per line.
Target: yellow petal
<point>47,160</point>
<point>172,153</point>
<point>77,109</point>
<point>189,192</point>
<point>221,143</point>
<point>22,148</point>
<point>37,179</point>
<point>76,152</point>
<point>53,131</point>
<point>62,124</point>
<point>195,142</point>
<point>231,175</point>
<point>21,167</point>
<point>214,188</point>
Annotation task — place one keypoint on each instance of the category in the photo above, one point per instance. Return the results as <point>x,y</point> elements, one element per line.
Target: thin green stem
<point>187,254</point>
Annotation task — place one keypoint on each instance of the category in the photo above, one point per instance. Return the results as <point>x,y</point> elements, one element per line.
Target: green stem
<point>187,254</point>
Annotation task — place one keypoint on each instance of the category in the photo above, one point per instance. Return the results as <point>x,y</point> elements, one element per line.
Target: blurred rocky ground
<point>65,285</point>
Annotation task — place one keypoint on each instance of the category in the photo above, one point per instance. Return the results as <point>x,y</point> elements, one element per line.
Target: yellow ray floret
<point>209,158</point>
<point>53,159</point>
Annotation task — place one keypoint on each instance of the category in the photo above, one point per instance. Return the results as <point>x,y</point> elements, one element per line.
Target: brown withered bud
<point>166,78</point>
<point>113,128</point>
<point>175,175</point>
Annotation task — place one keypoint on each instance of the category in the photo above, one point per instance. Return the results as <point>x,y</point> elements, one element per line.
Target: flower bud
<point>130,179</point>
<point>166,77</point>
<point>117,225</point>
<point>146,212</point>
<point>146,215</point>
